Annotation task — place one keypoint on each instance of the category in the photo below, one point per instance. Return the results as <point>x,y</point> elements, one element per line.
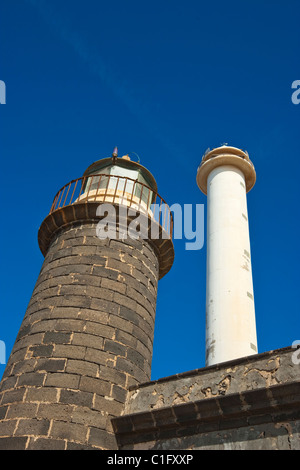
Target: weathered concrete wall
<point>86,337</point>
<point>251,403</point>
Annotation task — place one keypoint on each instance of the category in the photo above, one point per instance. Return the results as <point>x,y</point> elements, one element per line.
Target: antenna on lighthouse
<point>115,154</point>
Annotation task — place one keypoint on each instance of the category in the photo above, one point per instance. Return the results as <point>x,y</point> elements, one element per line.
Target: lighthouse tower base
<point>86,337</point>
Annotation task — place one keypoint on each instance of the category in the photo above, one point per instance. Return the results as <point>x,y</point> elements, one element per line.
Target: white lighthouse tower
<point>226,174</point>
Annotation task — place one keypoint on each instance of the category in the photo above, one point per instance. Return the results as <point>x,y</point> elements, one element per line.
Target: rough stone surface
<point>86,336</point>
<point>251,373</point>
<point>251,403</point>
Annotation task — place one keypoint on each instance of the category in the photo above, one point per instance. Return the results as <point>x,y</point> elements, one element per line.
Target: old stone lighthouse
<point>79,373</point>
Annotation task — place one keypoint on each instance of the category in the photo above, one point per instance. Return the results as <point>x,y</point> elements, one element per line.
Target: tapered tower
<point>88,331</point>
<point>226,174</point>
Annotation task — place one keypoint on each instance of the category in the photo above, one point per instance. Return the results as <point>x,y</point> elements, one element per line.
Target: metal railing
<point>116,190</point>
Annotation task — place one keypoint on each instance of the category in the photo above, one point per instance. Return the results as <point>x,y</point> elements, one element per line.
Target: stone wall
<point>86,337</point>
<point>250,403</point>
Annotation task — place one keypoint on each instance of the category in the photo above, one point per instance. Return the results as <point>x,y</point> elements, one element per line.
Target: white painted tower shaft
<point>230,311</point>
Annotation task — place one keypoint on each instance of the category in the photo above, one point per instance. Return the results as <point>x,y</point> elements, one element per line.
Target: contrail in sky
<point>135,105</point>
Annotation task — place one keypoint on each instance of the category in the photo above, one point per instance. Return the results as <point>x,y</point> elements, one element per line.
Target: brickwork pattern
<point>86,337</point>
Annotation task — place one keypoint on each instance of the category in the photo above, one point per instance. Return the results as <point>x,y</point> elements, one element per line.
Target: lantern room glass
<point>117,178</point>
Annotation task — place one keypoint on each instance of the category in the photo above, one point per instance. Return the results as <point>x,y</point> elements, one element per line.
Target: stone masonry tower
<point>88,330</point>
<point>226,174</point>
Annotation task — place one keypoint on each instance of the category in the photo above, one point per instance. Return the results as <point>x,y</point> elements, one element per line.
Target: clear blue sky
<point>165,79</point>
